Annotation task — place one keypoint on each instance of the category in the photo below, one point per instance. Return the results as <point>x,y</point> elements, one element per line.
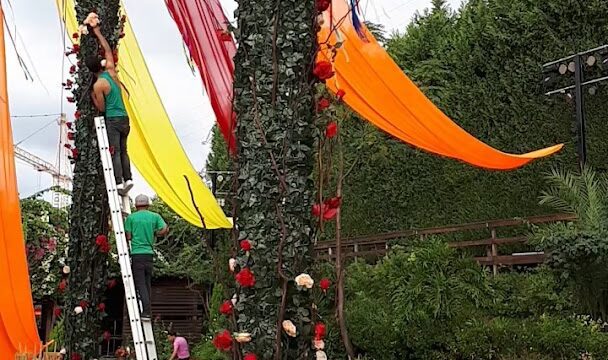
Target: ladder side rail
<point>121,243</point>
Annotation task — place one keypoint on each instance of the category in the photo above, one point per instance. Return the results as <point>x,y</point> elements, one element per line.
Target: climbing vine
<point>88,258</point>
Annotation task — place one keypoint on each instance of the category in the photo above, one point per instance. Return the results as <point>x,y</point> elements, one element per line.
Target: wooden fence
<point>375,246</point>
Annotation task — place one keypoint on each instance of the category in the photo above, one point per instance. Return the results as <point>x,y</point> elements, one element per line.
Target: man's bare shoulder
<point>101,84</point>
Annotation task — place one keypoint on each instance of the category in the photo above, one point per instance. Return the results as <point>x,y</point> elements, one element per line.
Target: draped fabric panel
<point>18,331</point>
<point>204,28</point>
<point>153,144</point>
<point>381,93</point>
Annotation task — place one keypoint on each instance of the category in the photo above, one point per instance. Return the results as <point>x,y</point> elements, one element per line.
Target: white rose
<point>234,299</point>
<point>289,328</point>
<point>83,30</point>
<point>242,337</point>
<point>78,310</point>
<point>304,280</point>
<point>66,269</point>
<point>321,355</point>
<point>318,344</point>
<point>232,264</point>
<point>63,351</point>
<point>320,20</point>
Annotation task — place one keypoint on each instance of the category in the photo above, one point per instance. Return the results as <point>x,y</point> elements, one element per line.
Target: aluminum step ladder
<point>141,329</point>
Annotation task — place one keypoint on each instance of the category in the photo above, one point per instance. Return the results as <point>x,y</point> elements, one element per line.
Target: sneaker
<point>120,188</point>
<point>128,186</point>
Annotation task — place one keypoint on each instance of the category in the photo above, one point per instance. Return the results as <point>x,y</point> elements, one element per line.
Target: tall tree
<point>274,102</point>
<point>88,261</point>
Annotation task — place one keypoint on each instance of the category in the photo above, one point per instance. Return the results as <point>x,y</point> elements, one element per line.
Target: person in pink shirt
<point>180,347</point>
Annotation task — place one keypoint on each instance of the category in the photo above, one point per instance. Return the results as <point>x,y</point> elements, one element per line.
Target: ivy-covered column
<point>274,102</point>
<point>88,255</point>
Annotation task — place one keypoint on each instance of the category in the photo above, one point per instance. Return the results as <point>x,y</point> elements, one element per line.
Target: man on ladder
<point>107,97</point>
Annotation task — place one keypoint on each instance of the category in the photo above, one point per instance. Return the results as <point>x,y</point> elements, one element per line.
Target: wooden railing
<point>378,245</point>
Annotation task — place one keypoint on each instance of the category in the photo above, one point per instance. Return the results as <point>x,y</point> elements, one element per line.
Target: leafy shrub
<point>578,251</point>
<point>407,306</point>
<point>430,303</point>
<point>531,293</point>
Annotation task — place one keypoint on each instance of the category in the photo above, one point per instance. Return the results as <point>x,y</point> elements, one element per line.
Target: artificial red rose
<point>245,278</point>
<point>84,304</point>
<point>112,283</point>
<point>322,5</point>
<point>226,308</point>
<point>67,146</point>
<point>105,248</point>
<point>320,331</point>
<point>63,284</point>
<point>107,335</point>
<point>71,99</point>
<point>69,83</point>
<point>111,149</point>
<point>331,130</point>
<point>330,214</point>
<point>57,312</point>
<point>250,356</point>
<point>122,35</point>
<point>323,104</point>
<point>223,341</point>
<point>76,356</point>
<point>324,284</point>
<point>323,70</point>
<point>75,48</point>
<point>101,307</point>
<point>224,35</point>
<point>101,239</point>
<point>70,135</point>
<point>334,202</point>
<point>69,124</point>
<point>340,94</point>
<point>245,245</point>
<point>317,209</point>
<point>72,69</point>
<point>75,35</point>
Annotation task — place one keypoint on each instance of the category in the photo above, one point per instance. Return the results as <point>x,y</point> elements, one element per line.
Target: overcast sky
<point>40,44</point>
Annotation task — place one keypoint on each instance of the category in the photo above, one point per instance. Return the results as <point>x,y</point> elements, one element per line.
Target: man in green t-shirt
<point>141,229</point>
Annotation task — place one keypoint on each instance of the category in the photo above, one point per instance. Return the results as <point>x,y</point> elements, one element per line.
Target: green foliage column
<point>89,213</point>
<point>274,105</point>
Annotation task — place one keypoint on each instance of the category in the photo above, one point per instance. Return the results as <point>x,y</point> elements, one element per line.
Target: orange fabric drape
<point>17,321</point>
<point>380,92</point>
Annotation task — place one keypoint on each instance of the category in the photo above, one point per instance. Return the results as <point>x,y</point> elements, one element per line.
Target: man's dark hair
<point>93,63</point>
<point>171,333</point>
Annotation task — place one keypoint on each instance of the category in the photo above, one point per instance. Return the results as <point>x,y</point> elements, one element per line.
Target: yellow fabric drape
<point>153,145</point>
<point>18,330</point>
<point>380,92</point>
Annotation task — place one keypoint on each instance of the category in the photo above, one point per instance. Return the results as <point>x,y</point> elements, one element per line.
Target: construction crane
<point>59,171</point>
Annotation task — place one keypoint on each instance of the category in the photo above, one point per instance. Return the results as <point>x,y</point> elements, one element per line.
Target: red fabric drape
<point>203,26</point>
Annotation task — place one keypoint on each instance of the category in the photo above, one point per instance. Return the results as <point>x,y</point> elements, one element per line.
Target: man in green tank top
<point>107,97</point>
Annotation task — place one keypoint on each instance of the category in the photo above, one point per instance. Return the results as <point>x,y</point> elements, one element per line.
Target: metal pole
<point>579,101</point>
<point>213,191</point>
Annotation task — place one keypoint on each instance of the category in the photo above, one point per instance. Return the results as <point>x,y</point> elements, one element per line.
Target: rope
<point>36,132</point>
